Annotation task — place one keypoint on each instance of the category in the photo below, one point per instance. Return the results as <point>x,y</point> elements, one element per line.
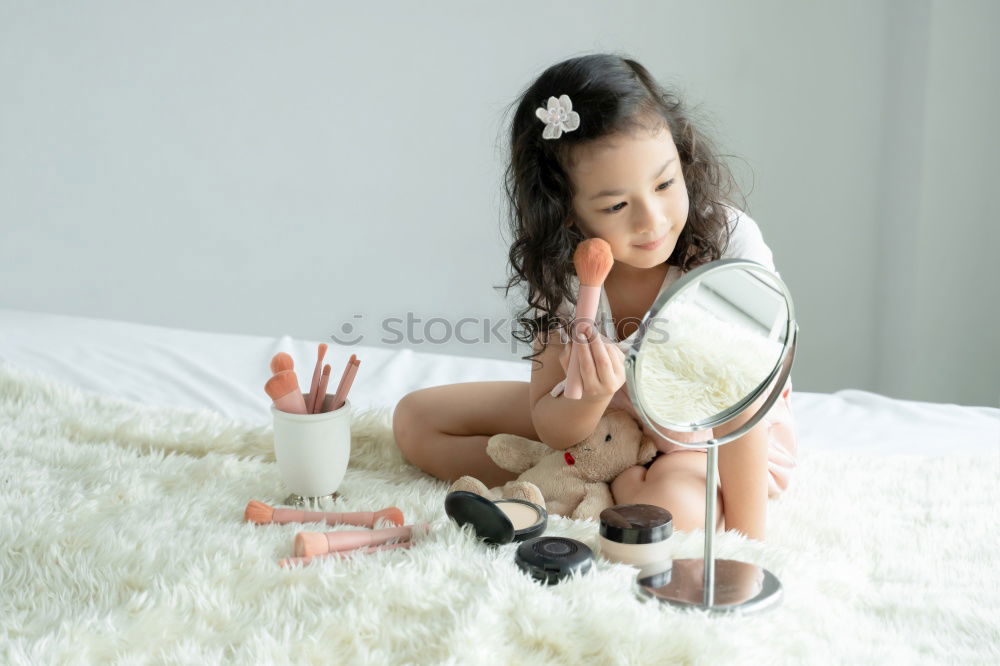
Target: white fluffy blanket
<point>124,541</point>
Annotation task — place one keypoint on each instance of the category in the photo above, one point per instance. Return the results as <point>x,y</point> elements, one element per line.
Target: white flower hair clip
<point>558,118</point>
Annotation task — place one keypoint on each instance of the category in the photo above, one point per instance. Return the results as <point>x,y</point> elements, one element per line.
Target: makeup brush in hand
<point>283,389</point>
<point>260,513</point>
<point>593,261</point>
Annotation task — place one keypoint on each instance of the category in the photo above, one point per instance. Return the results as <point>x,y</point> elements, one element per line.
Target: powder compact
<point>636,534</point>
<point>497,522</point>
<point>550,559</point>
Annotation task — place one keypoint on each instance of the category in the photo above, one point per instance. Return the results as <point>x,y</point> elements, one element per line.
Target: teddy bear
<point>573,482</point>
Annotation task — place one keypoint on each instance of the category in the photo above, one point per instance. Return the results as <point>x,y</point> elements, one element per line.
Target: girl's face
<point>630,191</point>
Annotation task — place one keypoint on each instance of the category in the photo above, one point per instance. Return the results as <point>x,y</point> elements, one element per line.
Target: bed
<point>130,450</point>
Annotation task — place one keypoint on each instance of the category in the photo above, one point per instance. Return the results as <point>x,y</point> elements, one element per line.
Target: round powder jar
<point>636,534</point>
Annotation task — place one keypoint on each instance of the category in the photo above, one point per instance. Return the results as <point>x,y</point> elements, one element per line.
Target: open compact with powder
<point>497,522</point>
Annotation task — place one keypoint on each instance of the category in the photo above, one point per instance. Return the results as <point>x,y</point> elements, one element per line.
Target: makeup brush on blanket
<point>289,561</point>
<point>261,513</point>
<point>318,543</point>
<point>593,261</point>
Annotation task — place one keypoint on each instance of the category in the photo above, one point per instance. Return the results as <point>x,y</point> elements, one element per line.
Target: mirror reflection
<point>711,346</point>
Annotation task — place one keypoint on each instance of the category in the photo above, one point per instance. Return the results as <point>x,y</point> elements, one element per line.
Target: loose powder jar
<point>636,534</point>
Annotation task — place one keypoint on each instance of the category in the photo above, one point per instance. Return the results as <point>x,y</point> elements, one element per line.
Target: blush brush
<point>593,261</point>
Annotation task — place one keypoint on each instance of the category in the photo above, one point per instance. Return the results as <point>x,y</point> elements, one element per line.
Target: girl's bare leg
<point>443,430</point>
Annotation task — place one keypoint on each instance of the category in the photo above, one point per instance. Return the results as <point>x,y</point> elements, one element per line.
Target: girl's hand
<point>601,365</point>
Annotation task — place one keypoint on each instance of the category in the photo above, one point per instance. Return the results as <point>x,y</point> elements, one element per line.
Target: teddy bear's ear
<point>647,450</point>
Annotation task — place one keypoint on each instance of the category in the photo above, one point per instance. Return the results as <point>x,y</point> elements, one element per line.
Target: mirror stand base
<point>740,587</point>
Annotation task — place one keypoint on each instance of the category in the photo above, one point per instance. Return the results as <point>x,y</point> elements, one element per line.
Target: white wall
<point>286,168</point>
<point>940,221</point>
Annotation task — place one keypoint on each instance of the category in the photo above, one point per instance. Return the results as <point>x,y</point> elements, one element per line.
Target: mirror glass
<point>711,345</point>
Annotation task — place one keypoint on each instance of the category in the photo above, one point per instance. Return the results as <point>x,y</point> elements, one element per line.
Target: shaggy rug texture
<point>124,542</point>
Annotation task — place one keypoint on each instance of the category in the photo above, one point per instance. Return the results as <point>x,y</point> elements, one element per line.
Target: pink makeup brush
<point>593,261</point>
<point>283,389</point>
<point>281,361</point>
<point>260,513</point>
<point>345,382</point>
<point>317,543</point>
<point>290,561</point>
<point>324,380</point>
<point>315,380</point>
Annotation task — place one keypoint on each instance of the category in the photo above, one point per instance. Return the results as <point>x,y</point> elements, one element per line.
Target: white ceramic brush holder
<point>312,450</point>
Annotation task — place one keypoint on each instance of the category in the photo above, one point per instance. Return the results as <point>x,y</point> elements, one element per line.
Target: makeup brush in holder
<point>312,431</point>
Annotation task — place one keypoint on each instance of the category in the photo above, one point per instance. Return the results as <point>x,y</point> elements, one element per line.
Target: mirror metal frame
<point>782,367</point>
<point>708,582</point>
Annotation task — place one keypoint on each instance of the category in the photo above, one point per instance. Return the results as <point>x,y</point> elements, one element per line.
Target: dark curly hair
<point>616,95</point>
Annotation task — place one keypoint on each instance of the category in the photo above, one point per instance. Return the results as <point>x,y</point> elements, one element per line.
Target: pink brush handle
<point>288,561</point>
<point>349,540</point>
<point>359,518</point>
<point>320,351</point>
<point>586,310</point>
<point>345,383</point>
<point>292,402</point>
<point>324,379</point>
<point>343,378</point>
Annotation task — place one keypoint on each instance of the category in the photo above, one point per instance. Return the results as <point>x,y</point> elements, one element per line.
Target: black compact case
<point>490,523</point>
<point>551,559</point>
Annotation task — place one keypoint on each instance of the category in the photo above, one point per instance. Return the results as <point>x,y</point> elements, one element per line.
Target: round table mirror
<point>715,348</point>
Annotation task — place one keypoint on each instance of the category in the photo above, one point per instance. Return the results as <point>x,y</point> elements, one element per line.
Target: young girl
<point>600,149</point>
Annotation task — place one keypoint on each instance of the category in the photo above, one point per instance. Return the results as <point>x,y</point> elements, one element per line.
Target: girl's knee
<point>688,509</point>
<point>406,419</point>
<point>625,485</point>
<point>683,497</point>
